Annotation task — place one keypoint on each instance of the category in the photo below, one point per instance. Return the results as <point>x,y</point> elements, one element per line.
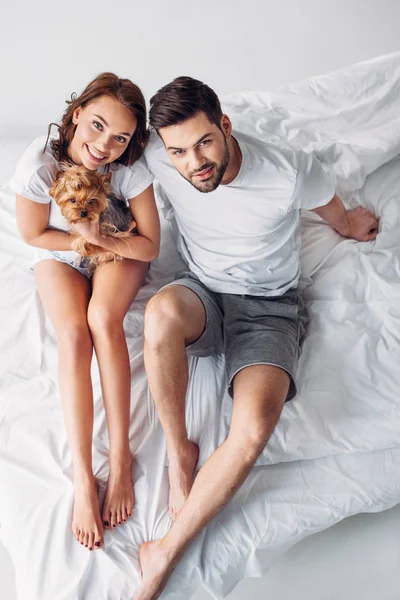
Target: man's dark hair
<point>181,100</point>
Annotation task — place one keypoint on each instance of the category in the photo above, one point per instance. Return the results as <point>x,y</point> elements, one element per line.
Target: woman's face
<point>104,128</point>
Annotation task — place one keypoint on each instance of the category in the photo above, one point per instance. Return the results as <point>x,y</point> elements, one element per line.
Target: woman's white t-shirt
<point>36,170</point>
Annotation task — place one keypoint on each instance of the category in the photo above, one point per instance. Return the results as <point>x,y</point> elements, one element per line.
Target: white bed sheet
<point>336,449</point>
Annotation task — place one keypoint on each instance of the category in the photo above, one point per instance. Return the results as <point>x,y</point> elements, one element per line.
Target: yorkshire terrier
<point>85,195</point>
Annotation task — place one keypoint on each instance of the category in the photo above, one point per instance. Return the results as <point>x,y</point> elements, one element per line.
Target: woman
<point>104,128</point>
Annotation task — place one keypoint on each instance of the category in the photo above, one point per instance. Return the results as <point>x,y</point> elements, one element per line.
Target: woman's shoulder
<point>38,155</point>
<point>35,171</point>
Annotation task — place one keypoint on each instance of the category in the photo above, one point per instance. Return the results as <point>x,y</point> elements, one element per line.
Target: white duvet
<point>336,449</point>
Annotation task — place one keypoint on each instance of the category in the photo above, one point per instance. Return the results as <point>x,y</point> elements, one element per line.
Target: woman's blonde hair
<point>123,90</point>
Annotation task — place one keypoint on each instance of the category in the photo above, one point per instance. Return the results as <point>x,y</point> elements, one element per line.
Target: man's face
<point>198,150</point>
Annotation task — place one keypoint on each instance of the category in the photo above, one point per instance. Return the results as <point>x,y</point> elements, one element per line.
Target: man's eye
<point>177,152</point>
<point>204,142</point>
<point>72,200</point>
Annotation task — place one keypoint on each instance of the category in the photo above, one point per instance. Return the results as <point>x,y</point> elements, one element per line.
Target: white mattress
<point>336,449</point>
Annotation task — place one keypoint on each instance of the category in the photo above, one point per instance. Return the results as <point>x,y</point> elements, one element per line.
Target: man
<point>236,202</point>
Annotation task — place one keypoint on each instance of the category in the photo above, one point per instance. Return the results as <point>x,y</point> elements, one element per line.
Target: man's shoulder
<point>266,155</point>
<point>154,146</point>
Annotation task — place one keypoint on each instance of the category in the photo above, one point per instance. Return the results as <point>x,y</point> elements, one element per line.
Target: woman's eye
<point>97,125</point>
<point>72,200</point>
<point>120,139</point>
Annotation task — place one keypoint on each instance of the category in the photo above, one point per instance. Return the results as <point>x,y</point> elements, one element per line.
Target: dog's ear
<point>106,178</point>
<point>106,183</point>
<point>57,185</point>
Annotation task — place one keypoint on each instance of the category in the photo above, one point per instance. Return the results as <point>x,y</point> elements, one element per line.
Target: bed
<point>336,449</point>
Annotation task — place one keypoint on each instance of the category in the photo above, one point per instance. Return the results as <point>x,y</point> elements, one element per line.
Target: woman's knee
<point>74,338</point>
<point>104,321</point>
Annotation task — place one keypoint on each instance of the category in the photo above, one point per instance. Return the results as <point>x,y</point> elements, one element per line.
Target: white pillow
<point>10,152</point>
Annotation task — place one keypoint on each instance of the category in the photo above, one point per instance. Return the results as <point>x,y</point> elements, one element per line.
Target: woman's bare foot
<point>181,474</point>
<point>119,499</point>
<point>86,520</point>
<point>156,568</point>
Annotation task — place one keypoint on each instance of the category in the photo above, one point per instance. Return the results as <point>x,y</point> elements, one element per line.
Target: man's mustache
<point>203,168</point>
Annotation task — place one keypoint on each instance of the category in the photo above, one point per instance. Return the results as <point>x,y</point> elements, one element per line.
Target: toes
<point>77,533</point>
<point>91,541</point>
<point>113,520</point>
<point>98,542</point>
<point>107,519</point>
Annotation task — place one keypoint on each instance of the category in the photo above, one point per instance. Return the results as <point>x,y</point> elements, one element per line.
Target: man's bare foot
<point>156,568</point>
<point>181,471</point>
<point>119,499</point>
<point>86,520</point>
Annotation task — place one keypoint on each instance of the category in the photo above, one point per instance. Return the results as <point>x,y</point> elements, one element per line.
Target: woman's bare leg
<point>65,295</point>
<point>115,286</point>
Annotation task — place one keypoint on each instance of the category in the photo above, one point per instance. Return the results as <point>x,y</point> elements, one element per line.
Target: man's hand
<point>357,224</point>
<point>364,226</point>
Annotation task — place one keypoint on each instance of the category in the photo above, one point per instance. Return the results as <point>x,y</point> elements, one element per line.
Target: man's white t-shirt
<point>244,237</point>
<point>36,170</point>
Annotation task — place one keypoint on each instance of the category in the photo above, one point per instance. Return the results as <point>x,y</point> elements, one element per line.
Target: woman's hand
<point>90,231</point>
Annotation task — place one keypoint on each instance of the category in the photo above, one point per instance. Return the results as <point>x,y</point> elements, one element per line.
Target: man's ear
<point>75,115</point>
<point>226,126</point>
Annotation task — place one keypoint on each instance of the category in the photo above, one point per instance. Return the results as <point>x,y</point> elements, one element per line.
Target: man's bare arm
<point>359,223</point>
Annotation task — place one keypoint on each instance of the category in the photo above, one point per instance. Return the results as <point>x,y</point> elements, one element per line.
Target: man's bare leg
<point>259,395</point>
<point>175,317</point>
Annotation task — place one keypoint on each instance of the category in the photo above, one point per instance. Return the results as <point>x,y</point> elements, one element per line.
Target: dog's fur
<point>85,195</point>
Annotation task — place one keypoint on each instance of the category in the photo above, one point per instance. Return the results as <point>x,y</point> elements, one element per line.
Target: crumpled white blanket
<point>336,449</point>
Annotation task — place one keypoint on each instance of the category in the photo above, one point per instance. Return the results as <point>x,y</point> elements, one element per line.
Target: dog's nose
<point>83,214</point>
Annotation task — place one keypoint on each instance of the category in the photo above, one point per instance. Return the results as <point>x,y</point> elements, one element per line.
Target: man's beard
<point>211,184</point>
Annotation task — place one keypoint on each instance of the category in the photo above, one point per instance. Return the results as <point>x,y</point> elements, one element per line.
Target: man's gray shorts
<point>249,330</point>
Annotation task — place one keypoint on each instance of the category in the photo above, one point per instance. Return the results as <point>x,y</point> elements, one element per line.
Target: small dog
<point>86,195</point>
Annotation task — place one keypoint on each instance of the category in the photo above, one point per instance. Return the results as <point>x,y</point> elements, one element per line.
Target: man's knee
<point>252,438</point>
<point>250,430</point>
<point>164,314</point>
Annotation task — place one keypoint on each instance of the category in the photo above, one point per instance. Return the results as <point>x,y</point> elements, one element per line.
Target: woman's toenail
<point>97,544</point>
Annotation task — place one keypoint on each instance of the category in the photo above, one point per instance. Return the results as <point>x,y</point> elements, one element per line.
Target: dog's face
<point>81,194</point>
